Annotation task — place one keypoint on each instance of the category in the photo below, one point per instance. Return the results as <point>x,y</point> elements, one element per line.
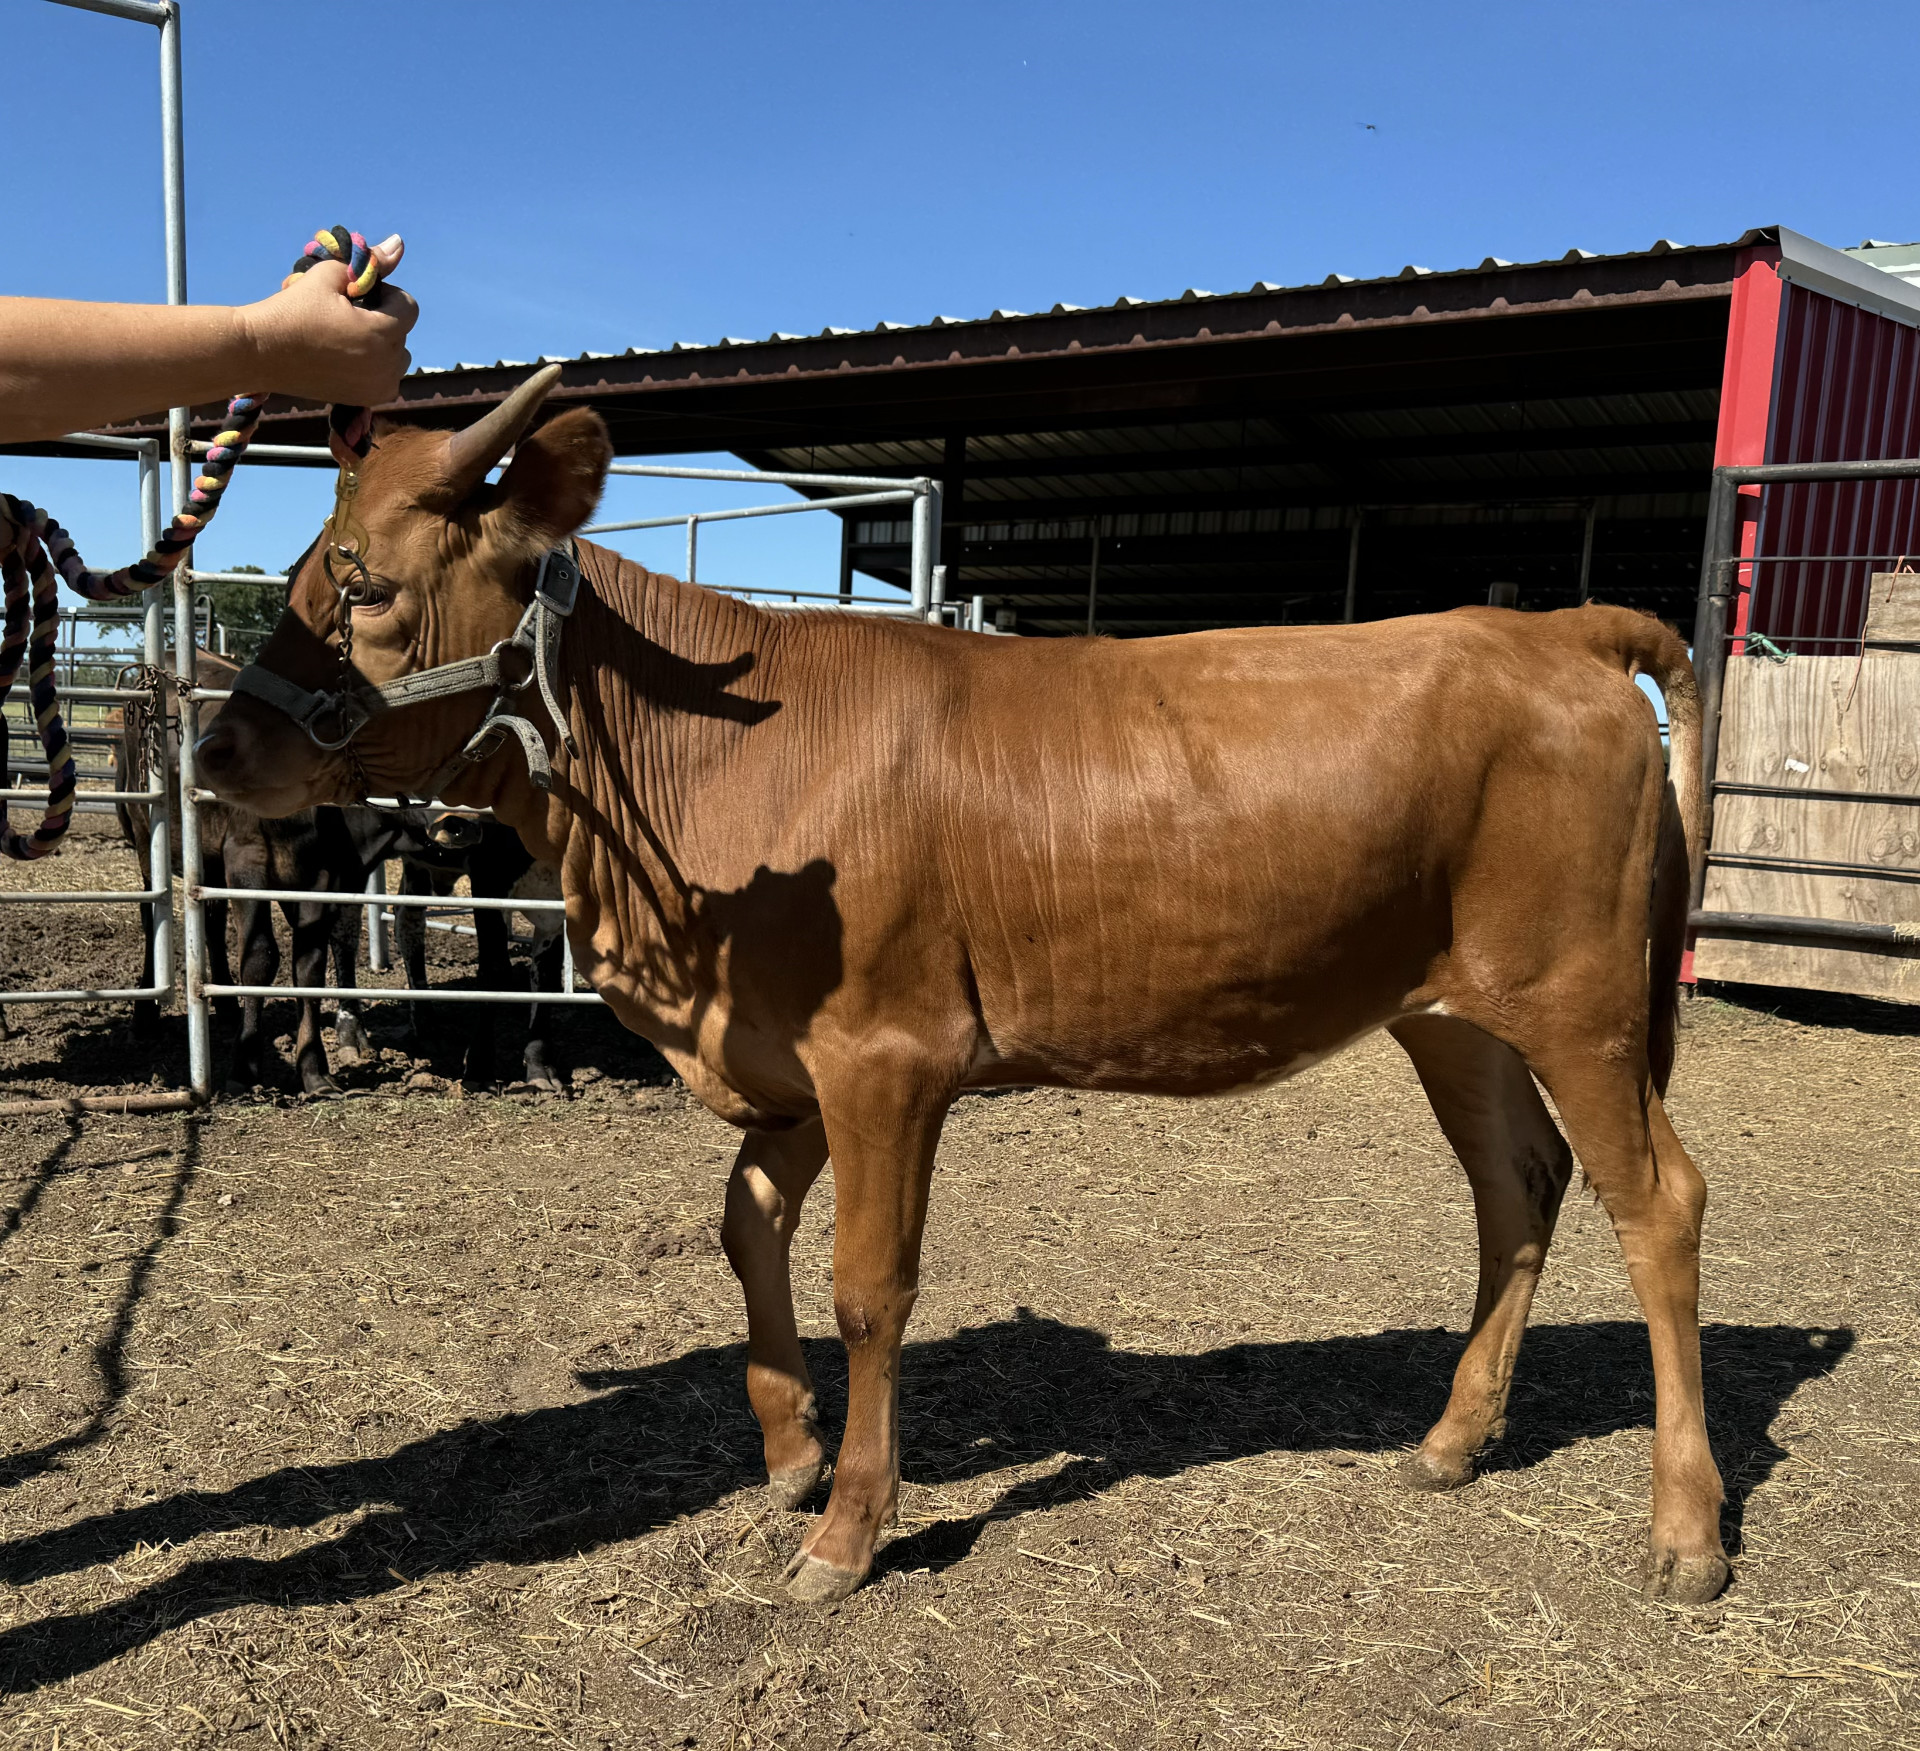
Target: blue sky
<point>603,173</point>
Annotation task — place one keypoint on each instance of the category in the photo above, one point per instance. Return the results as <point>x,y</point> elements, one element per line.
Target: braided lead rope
<point>39,556</point>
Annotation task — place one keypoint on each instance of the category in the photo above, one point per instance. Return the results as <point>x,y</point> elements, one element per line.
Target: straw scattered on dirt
<point>418,1418</point>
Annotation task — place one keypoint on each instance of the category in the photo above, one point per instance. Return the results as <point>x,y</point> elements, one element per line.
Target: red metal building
<point>1823,365</point>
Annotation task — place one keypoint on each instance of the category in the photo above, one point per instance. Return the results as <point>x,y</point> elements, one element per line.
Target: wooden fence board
<point>1893,606</point>
<point>1819,723</point>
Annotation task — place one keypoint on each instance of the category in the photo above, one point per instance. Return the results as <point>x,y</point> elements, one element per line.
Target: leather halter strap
<point>530,657</point>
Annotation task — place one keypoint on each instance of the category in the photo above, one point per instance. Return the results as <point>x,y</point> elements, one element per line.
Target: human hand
<point>311,340</point>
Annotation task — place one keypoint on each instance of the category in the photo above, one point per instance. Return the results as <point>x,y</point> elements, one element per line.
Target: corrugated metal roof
<point>1192,295</point>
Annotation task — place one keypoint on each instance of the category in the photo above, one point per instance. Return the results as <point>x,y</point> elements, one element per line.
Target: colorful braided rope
<point>40,555</point>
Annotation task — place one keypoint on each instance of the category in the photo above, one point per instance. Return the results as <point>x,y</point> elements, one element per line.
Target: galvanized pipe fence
<point>1721,634</point>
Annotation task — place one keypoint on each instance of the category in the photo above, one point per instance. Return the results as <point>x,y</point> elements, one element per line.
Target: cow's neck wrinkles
<point>663,683</point>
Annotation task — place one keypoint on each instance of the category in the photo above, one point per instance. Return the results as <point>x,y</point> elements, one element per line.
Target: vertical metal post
<point>173,171</point>
<point>693,546</point>
<point>937,609</point>
<point>1093,578</point>
<point>953,492</point>
<point>377,919</point>
<point>977,615</point>
<point>1717,570</point>
<point>153,653</point>
<point>926,544</point>
<point>1352,609</point>
<point>846,559</point>
<point>1586,554</point>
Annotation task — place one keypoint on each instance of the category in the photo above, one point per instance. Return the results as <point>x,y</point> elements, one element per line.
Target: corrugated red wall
<point>1846,389</point>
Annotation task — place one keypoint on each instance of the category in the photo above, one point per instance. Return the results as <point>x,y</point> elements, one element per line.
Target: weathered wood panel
<point>1819,724</point>
<point>1893,606</point>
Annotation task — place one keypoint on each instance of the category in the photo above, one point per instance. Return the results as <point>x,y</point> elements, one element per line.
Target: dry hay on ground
<point>416,1420</point>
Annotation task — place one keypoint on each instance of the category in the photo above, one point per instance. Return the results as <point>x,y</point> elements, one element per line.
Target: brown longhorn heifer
<point>839,869</point>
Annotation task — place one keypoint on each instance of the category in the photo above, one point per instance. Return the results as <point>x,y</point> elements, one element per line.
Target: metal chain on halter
<point>346,598</point>
<point>37,556</point>
<point>154,719</point>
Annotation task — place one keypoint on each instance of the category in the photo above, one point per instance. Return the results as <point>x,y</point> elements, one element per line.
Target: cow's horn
<point>472,451</point>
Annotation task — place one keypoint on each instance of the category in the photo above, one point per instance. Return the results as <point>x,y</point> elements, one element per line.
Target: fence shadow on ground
<point>1823,1009</point>
<point>675,1438</point>
<point>110,1349</point>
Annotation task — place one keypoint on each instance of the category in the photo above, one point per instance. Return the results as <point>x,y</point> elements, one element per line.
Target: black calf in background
<point>497,867</point>
<point>332,850</point>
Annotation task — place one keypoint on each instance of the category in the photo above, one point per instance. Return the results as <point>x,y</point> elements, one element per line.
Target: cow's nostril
<point>214,751</point>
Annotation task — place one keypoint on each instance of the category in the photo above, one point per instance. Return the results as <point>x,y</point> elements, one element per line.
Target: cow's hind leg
<point>771,1177</point>
<point>1518,1165</point>
<point>1655,1198</point>
<point>882,1136</point>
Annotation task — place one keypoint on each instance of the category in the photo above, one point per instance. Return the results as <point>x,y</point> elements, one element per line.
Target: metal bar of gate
<point>694,518</point>
<point>1720,569</point>
<point>173,152</point>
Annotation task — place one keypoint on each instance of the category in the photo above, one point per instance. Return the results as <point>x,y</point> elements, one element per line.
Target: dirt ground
<point>418,1418</point>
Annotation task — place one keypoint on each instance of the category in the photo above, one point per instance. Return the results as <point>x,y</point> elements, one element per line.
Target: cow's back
<point>1157,852</point>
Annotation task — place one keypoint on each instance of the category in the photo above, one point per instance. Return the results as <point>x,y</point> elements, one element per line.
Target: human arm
<point>66,366</point>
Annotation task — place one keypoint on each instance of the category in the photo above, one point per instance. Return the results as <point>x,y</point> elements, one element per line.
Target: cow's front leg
<point>882,1141</point>
<point>259,965</point>
<point>771,1177</point>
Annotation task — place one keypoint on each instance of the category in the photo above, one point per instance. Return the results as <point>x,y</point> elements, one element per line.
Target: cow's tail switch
<point>1650,648</point>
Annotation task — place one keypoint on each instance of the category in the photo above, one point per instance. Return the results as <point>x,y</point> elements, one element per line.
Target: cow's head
<point>449,563</point>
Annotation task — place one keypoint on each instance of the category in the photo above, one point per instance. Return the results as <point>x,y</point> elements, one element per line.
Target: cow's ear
<point>555,478</point>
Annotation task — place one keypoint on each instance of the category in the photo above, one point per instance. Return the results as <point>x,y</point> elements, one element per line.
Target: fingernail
<point>392,242</point>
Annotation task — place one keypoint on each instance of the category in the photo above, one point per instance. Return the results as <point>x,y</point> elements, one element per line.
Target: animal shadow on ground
<point>651,1445</point>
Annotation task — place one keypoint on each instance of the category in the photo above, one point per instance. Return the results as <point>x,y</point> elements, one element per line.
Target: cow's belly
<point>1249,994</point>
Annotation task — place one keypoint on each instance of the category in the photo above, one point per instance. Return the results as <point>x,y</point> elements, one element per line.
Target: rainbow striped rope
<point>39,556</point>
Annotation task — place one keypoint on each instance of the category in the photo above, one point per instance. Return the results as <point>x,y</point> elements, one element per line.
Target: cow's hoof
<point>1420,1470</point>
<point>789,1488</point>
<point>812,1582</point>
<point>1674,1579</point>
<point>320,1088</point>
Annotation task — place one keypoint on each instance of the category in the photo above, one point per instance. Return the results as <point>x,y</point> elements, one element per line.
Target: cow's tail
<point>1650,648</point>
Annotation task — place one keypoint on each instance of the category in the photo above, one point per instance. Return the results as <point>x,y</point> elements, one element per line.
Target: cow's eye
<point>372,598</point>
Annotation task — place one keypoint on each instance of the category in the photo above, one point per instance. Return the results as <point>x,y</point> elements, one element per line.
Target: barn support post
<point>1352,609</point>
<point>953,492</point>
<point>1586,552</point>
<point>846,559</point>
<point>1093,578</point>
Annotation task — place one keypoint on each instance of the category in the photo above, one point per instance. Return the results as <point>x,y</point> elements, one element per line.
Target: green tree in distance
<point>247,610</point>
